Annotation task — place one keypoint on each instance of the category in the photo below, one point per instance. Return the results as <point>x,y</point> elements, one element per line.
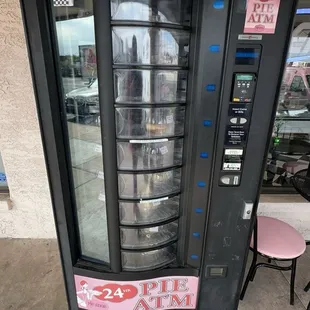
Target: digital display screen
<point>247,56</point>
<point>244,77</point>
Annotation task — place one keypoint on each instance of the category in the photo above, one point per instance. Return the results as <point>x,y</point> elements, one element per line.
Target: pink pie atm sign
<point>261,16</point>
<point>159,293</point>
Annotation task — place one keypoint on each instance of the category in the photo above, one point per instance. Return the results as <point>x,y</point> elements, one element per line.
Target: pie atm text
<point>151,294</point>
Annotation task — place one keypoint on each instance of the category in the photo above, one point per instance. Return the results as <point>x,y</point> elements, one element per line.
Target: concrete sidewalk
<point>31,279</point>
<point>31,276</point>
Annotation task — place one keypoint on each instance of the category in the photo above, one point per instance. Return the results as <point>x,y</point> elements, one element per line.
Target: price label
<point>100,175</point>
<point>115,292</point>
<point>154,200</point>
<point>154,229</point>
<point>98,148</point>
<point>163,150</point>
<point>101,197</point>
<point>169,119</point>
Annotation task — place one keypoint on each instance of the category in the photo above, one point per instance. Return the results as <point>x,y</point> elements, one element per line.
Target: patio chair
<point>277,240</point>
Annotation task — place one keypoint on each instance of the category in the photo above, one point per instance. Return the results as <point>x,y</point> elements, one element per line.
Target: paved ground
<point>31,279</point>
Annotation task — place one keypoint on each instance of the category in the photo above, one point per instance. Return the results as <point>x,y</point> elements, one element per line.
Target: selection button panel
<point>238,120</point>
<point>230,180</point>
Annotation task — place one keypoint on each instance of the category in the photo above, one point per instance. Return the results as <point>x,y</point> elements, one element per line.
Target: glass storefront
<point>290,145</point>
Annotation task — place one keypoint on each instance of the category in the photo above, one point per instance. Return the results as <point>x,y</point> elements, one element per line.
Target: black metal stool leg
<point>246,283</point>
<point>293,276</point>
<point>253,271</point>
<point>249,276</point>
<point>307,288</point>
<point>308,308</point>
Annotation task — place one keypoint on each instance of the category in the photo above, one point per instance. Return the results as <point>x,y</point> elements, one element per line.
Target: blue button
<point>218,5</point>
<point>210,87</point>
<point>207,123</point>
<point>201,184</point>
<point>198,210</point>
<point>214,48</point>
<point>194,256</point>
<point>196,234</point>
<point>204,155</point>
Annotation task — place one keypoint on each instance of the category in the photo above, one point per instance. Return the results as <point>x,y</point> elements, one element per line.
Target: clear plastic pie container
<point>149,211</point>
<point>171,47</point>
<point>136,86</point>
<point>143,238</point>
<point>149,185</point>
<point>160,11</point>
<point>147,123</point>
<point>140,261</point>
<point>150,154</point>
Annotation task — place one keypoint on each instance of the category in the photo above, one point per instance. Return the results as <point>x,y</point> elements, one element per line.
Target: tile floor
<point>31,279</point>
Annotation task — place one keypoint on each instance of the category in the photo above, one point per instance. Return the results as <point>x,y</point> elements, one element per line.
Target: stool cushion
<point>278,239</point>
<point>295,166</point>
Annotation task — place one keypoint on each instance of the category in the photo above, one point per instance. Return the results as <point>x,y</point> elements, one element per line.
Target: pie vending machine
<point>156,118</point>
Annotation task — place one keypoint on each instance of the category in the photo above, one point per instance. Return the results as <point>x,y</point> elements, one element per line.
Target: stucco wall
<point>20,141</point>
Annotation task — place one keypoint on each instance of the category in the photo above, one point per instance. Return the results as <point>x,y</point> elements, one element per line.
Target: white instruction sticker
<point>169,119</point>
<point>163,150</point>
<point>232,166</point>
<point>156,203</point>
<point>234,152</point>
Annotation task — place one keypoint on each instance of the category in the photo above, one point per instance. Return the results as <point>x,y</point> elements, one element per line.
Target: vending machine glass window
<point>78,66</point>
<point>150,69</point>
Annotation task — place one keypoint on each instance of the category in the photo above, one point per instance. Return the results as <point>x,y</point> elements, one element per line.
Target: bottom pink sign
<point>151,294</point>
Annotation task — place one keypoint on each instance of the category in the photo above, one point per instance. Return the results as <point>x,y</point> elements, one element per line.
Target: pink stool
<point>295,166</point>
<point>276,240</point>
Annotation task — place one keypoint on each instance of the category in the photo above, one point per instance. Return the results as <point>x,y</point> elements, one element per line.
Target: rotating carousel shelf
<point>149,211</point>
<point>140,261</point>
<point>146,238</point>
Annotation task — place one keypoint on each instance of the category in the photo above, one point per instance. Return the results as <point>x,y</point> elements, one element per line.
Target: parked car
<point>82,104</point>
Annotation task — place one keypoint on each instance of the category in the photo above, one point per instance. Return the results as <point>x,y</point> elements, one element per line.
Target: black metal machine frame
<point>226,236</point>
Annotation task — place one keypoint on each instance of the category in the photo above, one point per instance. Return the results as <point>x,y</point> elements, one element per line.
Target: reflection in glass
<point>145,86</point>
<point>163,11</point>
<point>149,211</point>
<point>142,238</point>
<point>149,156</point>
<point>152,46</point>
<point>149,122</point>
<point>78,65</point>
<point>149,185</point>
<point>139,261</point>
<point>290,146</point>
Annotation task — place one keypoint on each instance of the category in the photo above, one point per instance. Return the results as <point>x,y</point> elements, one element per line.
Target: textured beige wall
<point>20,141</point>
